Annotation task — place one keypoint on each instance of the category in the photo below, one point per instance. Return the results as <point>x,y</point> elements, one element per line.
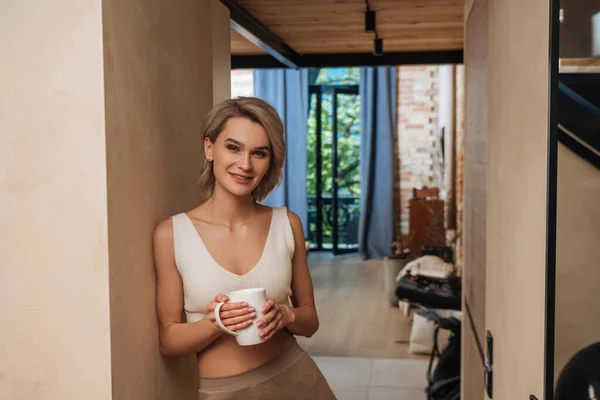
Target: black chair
<point>580,378</point>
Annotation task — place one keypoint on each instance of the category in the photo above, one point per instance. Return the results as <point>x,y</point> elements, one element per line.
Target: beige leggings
<point>292,375</point>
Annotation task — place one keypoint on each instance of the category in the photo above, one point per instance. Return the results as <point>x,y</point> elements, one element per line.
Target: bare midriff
<point>224,357</point>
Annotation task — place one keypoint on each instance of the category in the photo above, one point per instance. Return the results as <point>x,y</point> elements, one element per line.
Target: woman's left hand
<point>275,317</point>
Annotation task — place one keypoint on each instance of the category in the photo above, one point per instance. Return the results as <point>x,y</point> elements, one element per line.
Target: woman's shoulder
<point>294,219</point>
<point>263,209</point>
<point>164,230</point>
<point>281,211</point>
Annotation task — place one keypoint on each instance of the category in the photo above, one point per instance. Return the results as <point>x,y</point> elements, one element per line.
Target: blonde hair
<point>260,112</point>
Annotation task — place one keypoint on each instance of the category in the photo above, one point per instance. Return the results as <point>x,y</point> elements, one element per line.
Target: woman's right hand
<point>234,316</point>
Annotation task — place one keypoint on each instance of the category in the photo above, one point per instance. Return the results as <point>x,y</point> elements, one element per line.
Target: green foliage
<point>348,137</point>
<point>348,144</point>
<point>335,76</point>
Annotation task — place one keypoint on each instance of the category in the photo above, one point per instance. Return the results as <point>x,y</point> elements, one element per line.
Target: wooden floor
<point>355,318</point>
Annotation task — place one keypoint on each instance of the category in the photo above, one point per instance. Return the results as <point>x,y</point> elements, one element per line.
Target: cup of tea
<point>255,297</point>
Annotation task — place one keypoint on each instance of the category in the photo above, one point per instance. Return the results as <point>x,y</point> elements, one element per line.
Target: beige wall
<point>577,254</point>
<point>516,194</point>
<point>160,83</point>
<point>54,307</point>
<point>505,194</point>
<point>221,52</point>
<point>85,181</point>
<point>475,169</point>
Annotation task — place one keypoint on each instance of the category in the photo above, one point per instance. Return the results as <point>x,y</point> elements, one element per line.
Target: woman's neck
<point>229,209</point>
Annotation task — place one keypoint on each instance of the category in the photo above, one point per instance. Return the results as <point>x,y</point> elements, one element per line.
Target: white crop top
<point>203,278</point>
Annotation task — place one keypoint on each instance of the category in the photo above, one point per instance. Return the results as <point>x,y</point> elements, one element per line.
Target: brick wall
<point>242,83</point>
<point>418,145</point>
<point>460,157</point>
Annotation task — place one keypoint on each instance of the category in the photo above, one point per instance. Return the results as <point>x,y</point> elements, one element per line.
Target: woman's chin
<point>239,190</point>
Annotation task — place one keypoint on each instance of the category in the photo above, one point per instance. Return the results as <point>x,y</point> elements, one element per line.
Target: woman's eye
<point>232,148</point>
<point>261,154</point>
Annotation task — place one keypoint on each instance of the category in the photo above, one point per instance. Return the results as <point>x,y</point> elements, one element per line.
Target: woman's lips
<point>242,179</point>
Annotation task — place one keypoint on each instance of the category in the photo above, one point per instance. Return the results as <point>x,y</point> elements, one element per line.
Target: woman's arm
<point>302,319</point>
<point>306,322</point>
<point>178,338</point>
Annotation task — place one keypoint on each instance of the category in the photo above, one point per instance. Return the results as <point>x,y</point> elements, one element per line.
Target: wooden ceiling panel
<point>239,45</point>
<point>330,47</point>
<point>337,26</point>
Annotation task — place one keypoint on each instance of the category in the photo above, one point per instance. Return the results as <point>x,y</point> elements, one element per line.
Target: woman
<point>231,242</point>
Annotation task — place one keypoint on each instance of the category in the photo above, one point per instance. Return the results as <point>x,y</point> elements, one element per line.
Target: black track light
<point>370,21</point>
<point>378,47</point>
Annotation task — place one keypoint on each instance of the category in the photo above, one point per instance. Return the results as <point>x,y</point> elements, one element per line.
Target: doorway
<point>333,176</point>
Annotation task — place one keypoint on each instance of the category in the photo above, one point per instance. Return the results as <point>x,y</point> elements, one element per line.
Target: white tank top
<point>203,278</point>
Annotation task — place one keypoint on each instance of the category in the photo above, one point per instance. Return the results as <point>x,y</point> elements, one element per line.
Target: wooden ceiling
<point>337,26</point>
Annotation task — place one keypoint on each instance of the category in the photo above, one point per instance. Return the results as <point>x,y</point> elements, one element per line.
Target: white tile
<point>399,373</point>
<point>395,393</point>
<point>345,371</point>
<point>351,392</point>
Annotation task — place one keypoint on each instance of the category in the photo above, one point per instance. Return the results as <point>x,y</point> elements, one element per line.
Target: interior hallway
<point>355,317</point>
<point>362,343</point>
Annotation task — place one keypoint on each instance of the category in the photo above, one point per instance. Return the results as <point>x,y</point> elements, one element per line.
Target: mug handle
<point>218,319</point>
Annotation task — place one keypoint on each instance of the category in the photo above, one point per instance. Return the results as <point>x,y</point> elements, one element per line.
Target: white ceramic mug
<point>256,298</point>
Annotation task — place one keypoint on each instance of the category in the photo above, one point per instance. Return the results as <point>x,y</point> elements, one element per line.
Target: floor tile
<point>395,393</point>
<point>345,371</point>
<point>399,373</point>
<point>351,392</point>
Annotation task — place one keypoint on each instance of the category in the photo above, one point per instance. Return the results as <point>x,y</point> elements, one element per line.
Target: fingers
<point>234,315</point>
<point>267,317</point>
<point>240,326</point>
<point>221,298</point>
<point>234,306</point>
<point>271,328</point>
<point>233,323</point>
<point>237,312</point>
<point>234,320</point>
<point>267,306</point>
<point>274,331</point>
<point>227,306</point>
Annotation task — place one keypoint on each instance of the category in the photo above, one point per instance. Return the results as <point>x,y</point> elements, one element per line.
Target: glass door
<point>345,191</point>
<point>333,167</point>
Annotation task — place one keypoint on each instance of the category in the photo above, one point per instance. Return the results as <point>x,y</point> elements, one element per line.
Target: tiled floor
<point>374,379</point>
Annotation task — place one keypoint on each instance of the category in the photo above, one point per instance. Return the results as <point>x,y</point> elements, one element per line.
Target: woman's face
<point>241,156</point>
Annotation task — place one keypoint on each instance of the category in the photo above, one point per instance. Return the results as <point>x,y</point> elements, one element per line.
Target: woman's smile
<point>241,179</point>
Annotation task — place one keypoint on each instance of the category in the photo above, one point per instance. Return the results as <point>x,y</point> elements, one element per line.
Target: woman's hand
<point>234,316</point>
<point>275,317</point>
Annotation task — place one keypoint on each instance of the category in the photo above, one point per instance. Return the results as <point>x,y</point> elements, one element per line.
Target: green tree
<point>348,138</point>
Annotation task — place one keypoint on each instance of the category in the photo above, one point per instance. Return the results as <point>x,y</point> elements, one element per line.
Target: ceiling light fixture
<point>371,26</point>
<point>378,46</point>
<point>370,19</point>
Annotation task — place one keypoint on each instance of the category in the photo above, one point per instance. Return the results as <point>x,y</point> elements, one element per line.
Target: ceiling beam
<point>352,59</point>
<point>244,23</point>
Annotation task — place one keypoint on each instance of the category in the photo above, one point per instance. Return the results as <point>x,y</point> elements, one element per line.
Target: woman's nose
<point>245,163</point>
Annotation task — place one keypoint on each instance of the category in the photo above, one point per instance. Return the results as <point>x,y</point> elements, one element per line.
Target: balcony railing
<point>348,211</point>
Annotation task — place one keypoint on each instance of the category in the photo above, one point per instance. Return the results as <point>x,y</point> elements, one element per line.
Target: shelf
<point>579,65</point>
